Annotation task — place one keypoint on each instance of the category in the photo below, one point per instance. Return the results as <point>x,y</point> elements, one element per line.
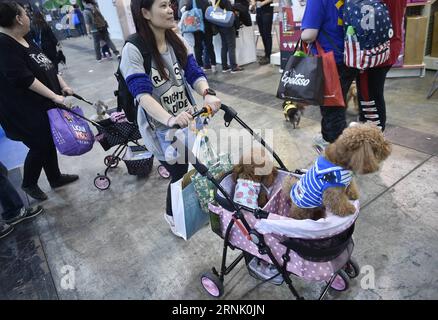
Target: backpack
<point>368,30</point>
<point>98,19</point>
<point>125,100</point>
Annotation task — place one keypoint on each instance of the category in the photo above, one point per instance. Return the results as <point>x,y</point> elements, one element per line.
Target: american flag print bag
<point>368,30</point>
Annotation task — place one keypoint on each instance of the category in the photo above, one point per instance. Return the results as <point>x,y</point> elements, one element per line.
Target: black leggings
<point>207,38</point>
<point>333,120</point>
<point>41,155</point>
<point>177,171</point>
<point>370,90</point>
<point>264,22</point>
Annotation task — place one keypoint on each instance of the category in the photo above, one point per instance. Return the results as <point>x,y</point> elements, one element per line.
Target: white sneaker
<point>320,144</point>
<point>213,69</point>
<point>265,271</point>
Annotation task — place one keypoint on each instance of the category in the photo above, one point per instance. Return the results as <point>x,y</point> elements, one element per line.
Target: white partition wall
<point>123,8</point>
<point>245,46</point>
<point>108,9</point>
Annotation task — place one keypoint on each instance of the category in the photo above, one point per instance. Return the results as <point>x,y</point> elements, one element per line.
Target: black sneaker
<point>264,60</point>
<point>35,192</point>
<point>25,213</point>
<point>237,69</point>
<point>63,180</point>
<point>226,69</point>
<point>5,229</point>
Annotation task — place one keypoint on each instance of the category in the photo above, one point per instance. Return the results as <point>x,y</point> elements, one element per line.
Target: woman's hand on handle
<point>67,91</point>
<point>58,99</point>
<point>213,102</point>
<point>182,120</point>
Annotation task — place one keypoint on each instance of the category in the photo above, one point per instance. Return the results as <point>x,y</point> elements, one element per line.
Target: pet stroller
<point>117,132</point>
<point>291,246</point>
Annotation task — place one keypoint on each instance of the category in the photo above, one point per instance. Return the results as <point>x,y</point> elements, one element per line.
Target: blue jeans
<point>9,197</point>
<point>165,138</point>
<point>228,37</point>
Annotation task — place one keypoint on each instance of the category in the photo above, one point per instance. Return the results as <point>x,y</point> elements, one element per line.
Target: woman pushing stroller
<point>162,92</point>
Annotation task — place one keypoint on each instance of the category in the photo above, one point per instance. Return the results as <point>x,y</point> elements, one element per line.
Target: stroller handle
<point>206,109</point>
<point>82,99</point>
<point>231,114</point>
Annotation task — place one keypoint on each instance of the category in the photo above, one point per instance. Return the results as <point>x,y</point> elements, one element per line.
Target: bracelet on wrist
<point>168,120</point>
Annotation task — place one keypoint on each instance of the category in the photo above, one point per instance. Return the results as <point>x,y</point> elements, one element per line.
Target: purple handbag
<point>71,134</point>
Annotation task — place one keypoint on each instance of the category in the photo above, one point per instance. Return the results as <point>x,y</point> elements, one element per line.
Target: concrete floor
<point>117,245</point>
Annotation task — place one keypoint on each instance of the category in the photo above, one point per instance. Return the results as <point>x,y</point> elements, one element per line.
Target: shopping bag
<point>202,148</point>
<point>332,86</point>
<point>219,17</point>
<point>204,188</point>
<point>76,19</point>
<point>302,80</point>
<point>71,134</point>
<point>192,21</point>
<point>187,213</point>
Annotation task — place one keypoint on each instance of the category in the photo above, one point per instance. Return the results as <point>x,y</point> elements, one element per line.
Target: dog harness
<point>307,193</point>
<point>287,105</point>
<point>247,193</point>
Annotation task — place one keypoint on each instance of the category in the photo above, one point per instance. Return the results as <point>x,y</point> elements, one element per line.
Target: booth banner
<point>291,15</point>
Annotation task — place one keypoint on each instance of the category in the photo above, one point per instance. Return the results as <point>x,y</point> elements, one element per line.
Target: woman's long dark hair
<point>145,31</point>
<point>38,21</point>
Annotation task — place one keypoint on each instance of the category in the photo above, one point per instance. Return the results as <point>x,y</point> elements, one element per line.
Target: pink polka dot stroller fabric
<point>278,230</point>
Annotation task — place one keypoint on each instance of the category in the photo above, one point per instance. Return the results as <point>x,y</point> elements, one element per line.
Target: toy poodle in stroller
<point>275,246</point>
<point>329,183</point>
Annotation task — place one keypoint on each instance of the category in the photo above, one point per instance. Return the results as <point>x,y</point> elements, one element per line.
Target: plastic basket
<point>138,161</point>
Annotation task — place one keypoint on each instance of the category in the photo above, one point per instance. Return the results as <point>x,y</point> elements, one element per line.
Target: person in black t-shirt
<point>29,86</point>
<point>43,36</point>
<point>265,14</point>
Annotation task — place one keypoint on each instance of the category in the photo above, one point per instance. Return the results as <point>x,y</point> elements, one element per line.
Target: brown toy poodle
<point>329,182</point>
<point>257,167</point>
<point>352,96</point>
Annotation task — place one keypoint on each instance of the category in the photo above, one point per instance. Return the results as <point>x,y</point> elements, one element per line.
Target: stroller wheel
<point>102,182</point>
<point>341,282</point>
<point>352,268</point>
<point>162,171</point>
<point>111,161</point>
<point>212,284</point>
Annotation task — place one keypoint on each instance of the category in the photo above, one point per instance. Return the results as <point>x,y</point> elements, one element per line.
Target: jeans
<point>103,35</point>
<point>41,155</point>
<point>370,90</point>
<point>81,29</point>
<point>228,37</point>
<point>9,198</point>
<point>264,22</point>
<point>333,120</point>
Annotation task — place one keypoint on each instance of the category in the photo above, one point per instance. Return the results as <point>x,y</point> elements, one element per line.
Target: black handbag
<point>302,79</point>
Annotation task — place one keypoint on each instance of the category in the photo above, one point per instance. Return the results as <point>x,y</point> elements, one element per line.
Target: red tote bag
<point>333,96</point>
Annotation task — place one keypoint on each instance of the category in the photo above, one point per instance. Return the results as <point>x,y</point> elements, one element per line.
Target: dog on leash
<point>293,112</point>
<point>254,176</point>
<point>101,111</point>
<point>329,182</point>
<point>352,97</point>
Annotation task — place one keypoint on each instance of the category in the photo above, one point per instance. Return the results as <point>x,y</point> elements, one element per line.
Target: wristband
<point>167,123</point>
